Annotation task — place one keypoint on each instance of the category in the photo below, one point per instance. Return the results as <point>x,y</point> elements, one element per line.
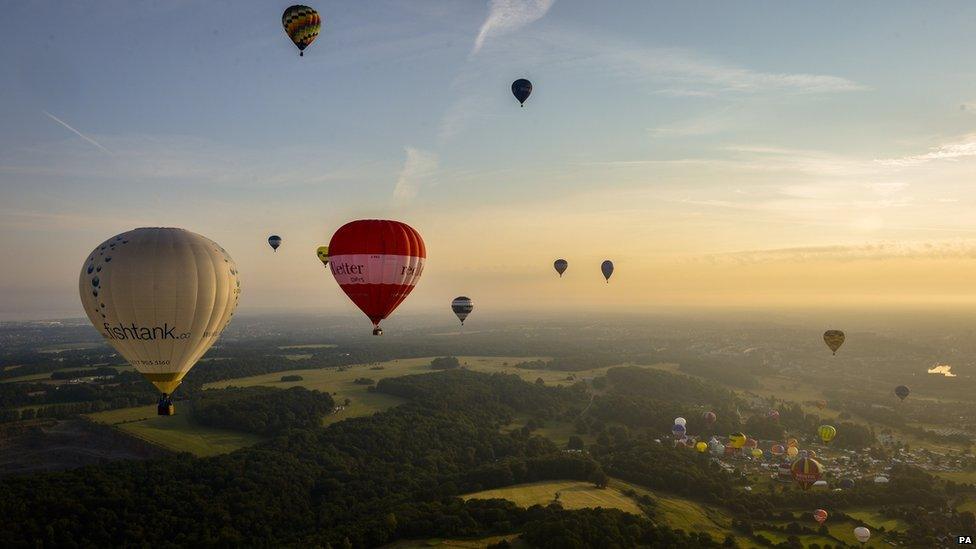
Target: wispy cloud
<point>876,251</point>
<point>418,166</point>
<point>955,150</point>
<point>505,16</point>
<point>76,132</point>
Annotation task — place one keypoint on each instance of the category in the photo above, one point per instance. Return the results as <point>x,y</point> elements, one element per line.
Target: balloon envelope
<point>806,471</point>
<point>560,265</point>
<point>820,516</point>
<point>521,89</point>
<point>462,307</point>
<point>827,433</point>
<point>607,268</point>
<point>902,392</point>
<point>322,252</point>
<point>160,297</point>
<point>777,450</point>
<point>302,24</point>
<point>846,483</point>
<point>680,421</point>
<point>773,415</point>
<point>377,263</point>
<point>701,447</point>
<point>834,339</point>
<point>274,241</point>
<point>862,534</point>
<point>737,440</point>
<point>709,417</point>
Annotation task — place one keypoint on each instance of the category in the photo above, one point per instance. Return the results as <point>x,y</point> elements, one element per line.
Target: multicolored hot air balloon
<point>377,263</point>
<point>160,297</point>
<point>902,392</point>
<point>560,265</point>
<point>777,450</point>
<point>274,241</point>
<point>827,433</point>
<point>462,307</point>
<point>302,25</point>
<point>322,252</point>
<point>834,339</point>
<point>709,418</point>
<point>862,534</point>
<point>607,268</point>
<point>806,471</point>
<point>737,440</point>
<point>521,89</point>
<point>820,516</point>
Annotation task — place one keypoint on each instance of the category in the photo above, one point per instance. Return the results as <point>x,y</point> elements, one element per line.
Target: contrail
<point>76,132</point>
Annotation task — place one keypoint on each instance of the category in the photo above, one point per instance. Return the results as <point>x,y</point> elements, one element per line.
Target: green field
<point>175,433</point>
<point>341,383</point>
<point>573,494</point>
<point>457,543</point>
<point>309,346</point>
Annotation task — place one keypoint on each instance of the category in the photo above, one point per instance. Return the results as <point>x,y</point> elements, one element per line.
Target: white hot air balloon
<point>680,421</point>
<point>862,534</point>
<point>161,297</point>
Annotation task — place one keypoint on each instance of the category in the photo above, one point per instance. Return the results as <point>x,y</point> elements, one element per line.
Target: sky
<point>720,153</point>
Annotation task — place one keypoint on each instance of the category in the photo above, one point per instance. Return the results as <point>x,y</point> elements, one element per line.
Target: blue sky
<point>714,136</point>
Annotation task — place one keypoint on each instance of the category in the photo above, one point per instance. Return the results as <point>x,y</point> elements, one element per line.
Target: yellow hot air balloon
<point>757,453</point>
<point>161,297</point>
<point>701,447</point>
<point>737,440</point>
<point>827,433</point>
<point>792,451</point>
<point>834,339</point>
<point>791,442</point>
<point>323,254</point>
<point>302,24</point>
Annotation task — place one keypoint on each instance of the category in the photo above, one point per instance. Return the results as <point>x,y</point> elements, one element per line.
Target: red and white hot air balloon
<point>377,263</point>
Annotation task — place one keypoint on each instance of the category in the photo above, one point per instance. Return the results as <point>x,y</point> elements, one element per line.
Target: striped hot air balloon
<point>377,263</point>
<point>462,307</point>
<point>806,471</point>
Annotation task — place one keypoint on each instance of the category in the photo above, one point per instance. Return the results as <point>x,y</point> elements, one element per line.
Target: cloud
<point>76,132</point>
<point>877,251</point>
<point>505,16</point>
<point>418,166</point>
<point>707,124</point>
<point>962,148</point>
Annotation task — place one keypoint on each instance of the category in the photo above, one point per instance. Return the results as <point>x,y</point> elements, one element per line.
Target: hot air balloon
<point>160,297</point>
<point>323,254</point>
<point>757,453</point>
<point>806,471</point>
<point>701,447</point>
<point>820,483</point>
<point>274,241</point>
<point>820,516</point>
<point>792,451</point>
<point>821,404</point>
<point>560,265</point>
<point>717,448</point>
<point>607,268</point>
<point>680,421</point>
<point>827,433</point>
<point>902,392</point>
<point>377,263</point>
<point>777,450</point>
<point>521,89</point>
<point>862,534</point>
<point>834,339</point>
<point>302,25</point>
<point>709,418</point>
<point>791,442</point>
<point>811,453</point>
<point>773,415</point>
<point>678,430</point>
<point>751,443</point>
<point>846,483</point>
<point>462,307</point>
<point>737,440</point>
